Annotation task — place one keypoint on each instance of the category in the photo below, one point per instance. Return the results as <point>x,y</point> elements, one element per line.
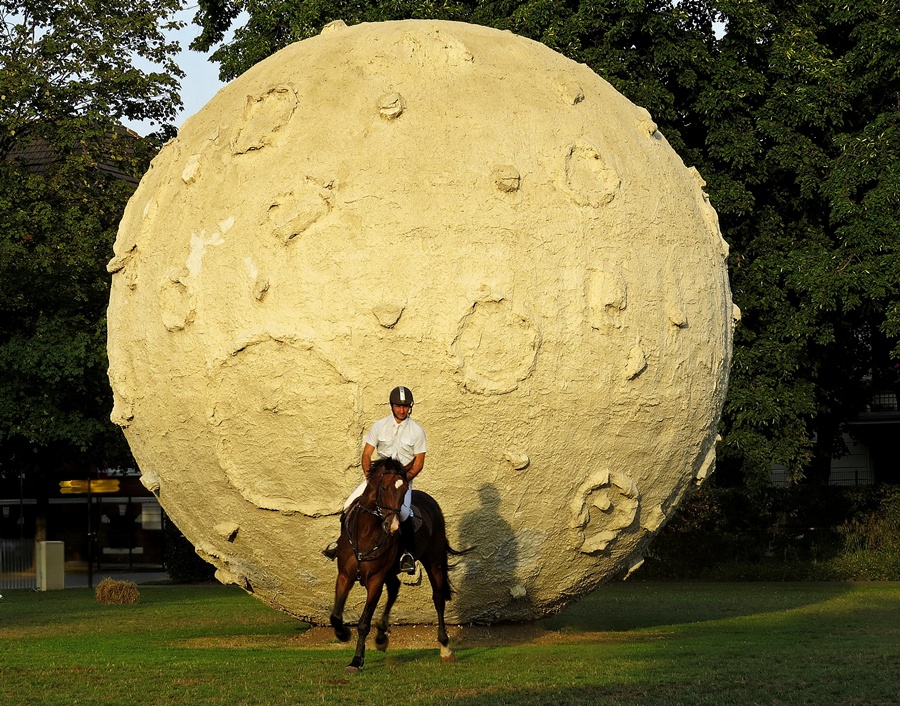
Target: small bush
<point>867,565</point>
<point>112,592</point>
<point>877,529</point>
<point>781,534</point>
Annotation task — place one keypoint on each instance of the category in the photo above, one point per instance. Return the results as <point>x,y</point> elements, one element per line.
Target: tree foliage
<point>802,169</point>
<point>66,171</point>
<point>70,63</point>
<point>792,114</point>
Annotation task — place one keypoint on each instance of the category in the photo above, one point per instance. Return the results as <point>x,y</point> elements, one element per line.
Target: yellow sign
<point>76,487</point>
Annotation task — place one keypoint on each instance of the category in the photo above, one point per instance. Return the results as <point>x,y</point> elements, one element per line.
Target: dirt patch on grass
<point>425,636</point>
<point>414,637</point>
<point>401,637</point>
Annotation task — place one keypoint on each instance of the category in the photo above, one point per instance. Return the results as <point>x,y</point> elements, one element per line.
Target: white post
<point>51,563</point>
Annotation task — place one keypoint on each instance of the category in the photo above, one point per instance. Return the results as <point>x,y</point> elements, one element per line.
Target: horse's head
<point>388,482</point>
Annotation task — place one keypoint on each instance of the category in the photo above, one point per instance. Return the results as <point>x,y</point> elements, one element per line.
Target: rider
<point>398,437</point>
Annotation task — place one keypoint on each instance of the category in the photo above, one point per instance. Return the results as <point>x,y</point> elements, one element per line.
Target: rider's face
<point>401,411</point>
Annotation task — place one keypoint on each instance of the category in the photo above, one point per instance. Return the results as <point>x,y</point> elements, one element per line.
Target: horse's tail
<point>430,507</point>
<point>448,587</point>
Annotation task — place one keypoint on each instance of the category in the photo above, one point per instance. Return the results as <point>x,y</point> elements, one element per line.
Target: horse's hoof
<point>381,643</point>
<point>350,669</point>
<point>342,635</point>
<point>448,659</point>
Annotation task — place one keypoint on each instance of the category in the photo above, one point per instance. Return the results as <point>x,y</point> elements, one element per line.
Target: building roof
<point>37,155</point>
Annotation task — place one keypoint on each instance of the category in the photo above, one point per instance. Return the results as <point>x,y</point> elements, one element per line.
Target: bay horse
<point>369,552</point>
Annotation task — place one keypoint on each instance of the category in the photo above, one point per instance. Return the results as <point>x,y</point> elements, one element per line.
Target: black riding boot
<point>408,546</point>
<point>330,552</point>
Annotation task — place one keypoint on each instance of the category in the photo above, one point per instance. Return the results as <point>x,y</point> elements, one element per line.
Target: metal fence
<point>17,568</point>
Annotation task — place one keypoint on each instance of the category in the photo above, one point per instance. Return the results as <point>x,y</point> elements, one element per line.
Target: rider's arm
<point>417,464</point>
<point>366,460</point>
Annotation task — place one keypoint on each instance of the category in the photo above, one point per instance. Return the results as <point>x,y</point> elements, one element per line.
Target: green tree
<point>801,158</point>
<point>67,169</point>
<point>790,111</point>
<point>70,65</point>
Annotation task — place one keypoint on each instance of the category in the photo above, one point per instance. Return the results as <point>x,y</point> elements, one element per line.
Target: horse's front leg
<point>383,626</point>
<point>342,587</point>
<point>373,593</point>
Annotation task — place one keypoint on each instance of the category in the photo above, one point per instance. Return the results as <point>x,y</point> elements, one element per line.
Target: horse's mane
<point>391,465</point>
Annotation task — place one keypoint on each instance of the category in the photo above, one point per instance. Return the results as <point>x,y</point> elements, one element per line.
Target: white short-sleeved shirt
<point>401,441</point>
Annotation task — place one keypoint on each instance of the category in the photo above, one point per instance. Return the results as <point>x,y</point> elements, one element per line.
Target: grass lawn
<point>628,643</point>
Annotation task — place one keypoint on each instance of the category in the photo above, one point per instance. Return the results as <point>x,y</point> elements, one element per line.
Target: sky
<point>201,79</point>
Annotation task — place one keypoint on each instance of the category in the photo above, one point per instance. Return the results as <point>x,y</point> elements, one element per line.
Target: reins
<point>380,547</point>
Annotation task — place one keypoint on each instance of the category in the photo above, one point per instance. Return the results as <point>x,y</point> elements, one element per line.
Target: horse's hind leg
<point>383,626</point>
<point>440,592</point>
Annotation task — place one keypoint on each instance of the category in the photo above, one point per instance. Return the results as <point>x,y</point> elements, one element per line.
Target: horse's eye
<point>399,483</point>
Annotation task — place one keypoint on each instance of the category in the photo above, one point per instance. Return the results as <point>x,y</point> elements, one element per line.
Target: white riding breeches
<point>405,508</point>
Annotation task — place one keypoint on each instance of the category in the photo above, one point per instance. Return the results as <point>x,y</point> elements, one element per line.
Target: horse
<point>369,552</point>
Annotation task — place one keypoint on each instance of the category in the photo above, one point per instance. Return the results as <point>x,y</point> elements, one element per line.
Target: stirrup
<point>330,552</point>
<point>408,563</point>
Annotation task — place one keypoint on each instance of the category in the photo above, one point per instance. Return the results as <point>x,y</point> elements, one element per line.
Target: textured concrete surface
<point>448,207</point>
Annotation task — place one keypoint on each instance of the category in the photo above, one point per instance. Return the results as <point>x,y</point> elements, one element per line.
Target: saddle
<point>416,517</point>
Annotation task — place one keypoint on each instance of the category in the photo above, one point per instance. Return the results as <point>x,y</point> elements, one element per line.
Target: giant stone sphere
<point>448,207</point>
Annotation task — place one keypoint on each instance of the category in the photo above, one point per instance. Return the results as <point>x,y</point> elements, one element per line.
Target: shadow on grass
<point>572,696</point>
<point>613,610</point>
<point>634,605</point>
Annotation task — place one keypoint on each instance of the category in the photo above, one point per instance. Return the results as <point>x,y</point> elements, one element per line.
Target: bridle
<point>381,546</point>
